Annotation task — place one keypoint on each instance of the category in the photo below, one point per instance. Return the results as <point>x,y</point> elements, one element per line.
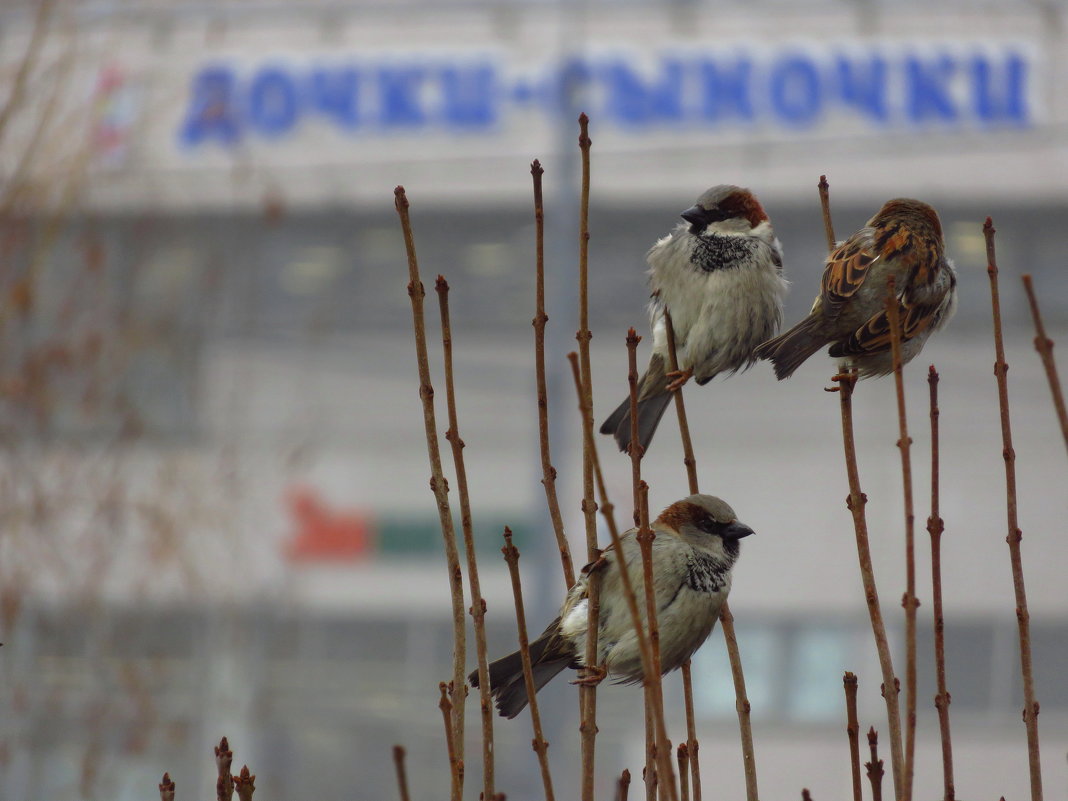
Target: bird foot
<point>681,377</point>
<point>592,676</point>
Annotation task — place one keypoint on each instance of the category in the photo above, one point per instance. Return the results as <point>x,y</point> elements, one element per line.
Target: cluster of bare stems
<point>660,776</point>
<point>662,780</point>
<point>227,784</point>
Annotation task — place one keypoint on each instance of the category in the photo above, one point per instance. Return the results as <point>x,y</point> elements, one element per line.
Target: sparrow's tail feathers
<point>653,399</point>
<point>507,685</point>
<point>787,351</point>
<point>650,411</point>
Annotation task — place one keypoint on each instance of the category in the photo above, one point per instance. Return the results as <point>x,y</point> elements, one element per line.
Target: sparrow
<point>903,240</point>
<point>695,546</point>
<point>719,274</point>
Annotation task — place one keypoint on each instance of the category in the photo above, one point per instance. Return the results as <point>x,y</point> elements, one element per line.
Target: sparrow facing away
<point>719,273</point>
<point>903,239</point>
<point>696,545</point>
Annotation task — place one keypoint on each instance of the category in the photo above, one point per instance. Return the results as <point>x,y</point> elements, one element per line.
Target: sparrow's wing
<point>846,270</point>
<point>874,335</point>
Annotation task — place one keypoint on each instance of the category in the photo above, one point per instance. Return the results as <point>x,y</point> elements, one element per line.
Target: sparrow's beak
<point>736,530</point>
<point>694,215</point>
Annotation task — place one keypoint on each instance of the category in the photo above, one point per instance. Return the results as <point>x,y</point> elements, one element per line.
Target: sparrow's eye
<point>710,526</point>
<point>717,215</point>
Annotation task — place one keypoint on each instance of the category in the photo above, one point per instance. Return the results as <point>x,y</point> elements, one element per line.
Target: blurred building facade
<point>215,464</point>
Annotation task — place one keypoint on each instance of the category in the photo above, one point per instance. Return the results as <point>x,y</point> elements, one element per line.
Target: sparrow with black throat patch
<point>720,276</point>
<point>903,240</point>
<point>695,547</point>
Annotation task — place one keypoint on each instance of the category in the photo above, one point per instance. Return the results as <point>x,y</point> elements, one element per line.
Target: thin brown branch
<point>805,795</point>
<point>607,509</point>
<point>478,603</point>
<point>540,745</point>
<point>853,731</point>
<point>935,527</point>
<point>540,318</point>
<point>244,784</point>
<point>224,757</point>
<point>855,503</point>
<point>623,786</point>
<point>692,746</point>
<point>690,462</point>
<point>688,458</point>
<point>456,769</point>
<point>166,788</point>
<point>26,65</point>
<point>587,691</point>
<point>875,766</point>
<point>909,602</point>
<point>683,758</point>
<point>658,751</point>
<point>1044,346</point>
<point>1015,535</point>
<point>734,654</point>
<point>825,204</point>
<point>440,488</point>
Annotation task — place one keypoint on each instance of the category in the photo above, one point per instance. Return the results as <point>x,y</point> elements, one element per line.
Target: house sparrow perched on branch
<point>719,274</point>
<point>696,545</point>
<point>903,239</point>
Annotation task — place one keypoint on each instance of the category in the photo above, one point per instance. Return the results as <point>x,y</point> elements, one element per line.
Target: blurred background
<point>216,517</point>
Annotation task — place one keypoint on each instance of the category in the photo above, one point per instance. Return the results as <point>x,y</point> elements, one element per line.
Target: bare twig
<point>904,441</point>
<point>825,204</point>
<point>456,769</point>
<point>855,503</point>
<point>588,690</point>
<point>853,731</point>
<point>683,757</point>
<point>875,767</point>
<point>245,784</point>
<point>1015,535</point>
<point>805,795</point>
<point>478,603</point>
<point>541,747</point>
<point>27,63</point>
<point>166,788</point>
<point>224,757</point>
<point>688,458</point>
<point>441,492</point>
<point>935,527</point>
<point>1044,346</point>
<point>623,787</point>
<point>657,749</point>
<point>692,745</point>
<point>726,619</point>
<point>606,506</point>
<point>540,318</point>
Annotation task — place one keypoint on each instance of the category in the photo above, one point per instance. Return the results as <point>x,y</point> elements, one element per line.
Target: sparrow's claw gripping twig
<point>592,676</point>
<point>681,377</point>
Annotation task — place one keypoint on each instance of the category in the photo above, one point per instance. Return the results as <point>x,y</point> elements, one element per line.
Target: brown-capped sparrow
<point>695,546</point>
<point>719,274</point>
<point>904,239</point>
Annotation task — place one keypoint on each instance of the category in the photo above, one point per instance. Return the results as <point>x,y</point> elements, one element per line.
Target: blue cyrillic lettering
<point>399,97</point>
<point>1000,97</point>
<point>336,93</point>
<point>469,96</point>
<point>211,114</point>
<point>794,85</point>
<point>633,101</point>
<point>571,87</point>
<point>927,92</point>
<point>272,102</point>
<point>725,90</point>
<point>862,85</point>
